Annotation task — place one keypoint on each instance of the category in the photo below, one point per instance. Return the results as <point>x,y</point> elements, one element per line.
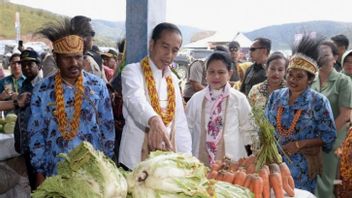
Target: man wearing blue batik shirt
<point>68,107</point>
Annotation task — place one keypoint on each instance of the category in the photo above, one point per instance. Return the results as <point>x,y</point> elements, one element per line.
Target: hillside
<point>107,32</point>
<point>283,35</point>
<point>30,18</point>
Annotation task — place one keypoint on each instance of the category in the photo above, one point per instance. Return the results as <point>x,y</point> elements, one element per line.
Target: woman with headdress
<point>303,120</point>
<point>219,116</point>
<point>276,67</point>
<point>337,88</point>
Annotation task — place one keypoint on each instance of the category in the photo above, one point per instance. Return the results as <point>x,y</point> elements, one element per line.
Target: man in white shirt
<point>153,108</point>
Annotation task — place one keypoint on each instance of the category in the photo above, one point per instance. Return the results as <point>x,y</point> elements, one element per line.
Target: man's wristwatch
<point>15,104</point>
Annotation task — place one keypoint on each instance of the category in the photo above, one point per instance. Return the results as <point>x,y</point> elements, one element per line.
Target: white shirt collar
<point>155,69</point>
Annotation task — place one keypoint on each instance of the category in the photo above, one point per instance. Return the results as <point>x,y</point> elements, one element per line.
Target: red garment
<point>108,73</point>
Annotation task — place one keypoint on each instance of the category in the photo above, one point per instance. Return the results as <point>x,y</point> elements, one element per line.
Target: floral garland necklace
<point>68,129</point>
<point>169,115</point>
<point>287,132</point>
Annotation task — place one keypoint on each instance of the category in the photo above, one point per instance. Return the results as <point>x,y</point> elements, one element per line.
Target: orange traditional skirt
<point>345,189</point>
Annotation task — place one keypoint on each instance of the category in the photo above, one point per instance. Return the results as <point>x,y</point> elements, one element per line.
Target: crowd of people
<point>80,94</point>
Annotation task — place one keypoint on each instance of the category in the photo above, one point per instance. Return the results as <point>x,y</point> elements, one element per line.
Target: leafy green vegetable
<point>84,172</point>
<point>9,127</point>
<point>226,190</point>
<point>167,175</point>
<point>11,117</point>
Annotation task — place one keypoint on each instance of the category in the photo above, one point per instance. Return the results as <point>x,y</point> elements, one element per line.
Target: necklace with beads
<point>68,129</point>
<point>290,130</point>
<point>169,115</point>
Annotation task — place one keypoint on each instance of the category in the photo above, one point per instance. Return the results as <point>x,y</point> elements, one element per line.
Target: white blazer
<point>137,111</point>
<point>238,127</point>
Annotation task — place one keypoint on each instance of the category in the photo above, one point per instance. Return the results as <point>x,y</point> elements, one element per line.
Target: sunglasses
<point>233,49</point>
<point>92,33</point>
<point>252,49</point>
<point>15,62</point>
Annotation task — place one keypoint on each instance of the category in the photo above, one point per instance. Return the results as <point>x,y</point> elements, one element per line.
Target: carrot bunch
<point>243,172</point>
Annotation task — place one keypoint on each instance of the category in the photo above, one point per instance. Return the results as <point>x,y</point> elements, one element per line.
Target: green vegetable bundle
<point>84,172</point>
<point>268,152</point>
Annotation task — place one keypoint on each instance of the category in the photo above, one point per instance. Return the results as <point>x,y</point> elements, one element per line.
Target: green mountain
<point>282,36</point>
<point>30,18</point>
<point>107,32</point>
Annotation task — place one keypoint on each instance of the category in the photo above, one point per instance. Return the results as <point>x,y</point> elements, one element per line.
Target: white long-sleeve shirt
<point>237,130</point>
<point>137,110</point>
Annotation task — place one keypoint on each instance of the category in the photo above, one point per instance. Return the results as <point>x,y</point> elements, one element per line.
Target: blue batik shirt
<point>96,122</point>
<point>10,82</point>
<point>23,115</point>
<point>316,121</point>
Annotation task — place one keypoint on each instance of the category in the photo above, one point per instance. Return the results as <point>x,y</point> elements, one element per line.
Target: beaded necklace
<point>68,129</point>
<point>169,115</point>
<point>287,132</point>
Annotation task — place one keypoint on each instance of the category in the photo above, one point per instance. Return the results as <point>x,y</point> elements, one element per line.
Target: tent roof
<point>221,37</point>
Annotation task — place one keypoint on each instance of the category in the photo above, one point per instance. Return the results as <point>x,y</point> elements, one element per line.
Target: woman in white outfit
<point>218,116</point>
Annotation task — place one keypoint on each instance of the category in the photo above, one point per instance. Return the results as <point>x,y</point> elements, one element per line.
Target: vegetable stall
<point>85,172</point>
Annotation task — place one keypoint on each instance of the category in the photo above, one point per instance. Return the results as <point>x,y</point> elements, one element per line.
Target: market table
<point>11,160</point>
<point>7,149</point>
<point>301,194</point>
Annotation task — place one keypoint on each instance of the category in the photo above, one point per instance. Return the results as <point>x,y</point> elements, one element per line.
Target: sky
<point>218,15</point>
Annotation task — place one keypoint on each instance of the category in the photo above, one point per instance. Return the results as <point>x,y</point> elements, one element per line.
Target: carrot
<point>215,166</point>
<point>229,177</point>
<point>264,174</point>
<point>287,180</point>
<point>276,182</point>
<point>248,161</point>
<point>286,171</point>
<point>220,176</point>
<point>274,168</point>
<point>234,166</point>
<point>240,177</point>
<point>213,174</point>
<point>257,186</point>
<point>251,168</point>
<point>266,167</point>
<point>290,192</point>
<point>291,182</point>
<point>241,161</point>
<point>247,181</point>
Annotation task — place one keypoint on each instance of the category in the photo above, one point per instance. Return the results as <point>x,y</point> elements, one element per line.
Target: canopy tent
<point>221,38</point>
